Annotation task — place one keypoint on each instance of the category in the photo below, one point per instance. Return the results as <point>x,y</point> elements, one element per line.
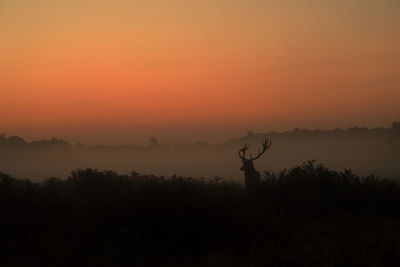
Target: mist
<point>366,151</point>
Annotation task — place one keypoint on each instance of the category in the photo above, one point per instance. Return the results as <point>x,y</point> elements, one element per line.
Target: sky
<point>116,72</point>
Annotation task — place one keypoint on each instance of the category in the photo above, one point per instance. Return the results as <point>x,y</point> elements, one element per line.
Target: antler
<point>266,143</point>
<point>242,152</point>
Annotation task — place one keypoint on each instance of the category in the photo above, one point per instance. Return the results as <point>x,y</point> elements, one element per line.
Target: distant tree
<point>396,124</point>
<point>52,143</point>
<point>154,143</point>
<point>250,133</point>
<point>16,140</point>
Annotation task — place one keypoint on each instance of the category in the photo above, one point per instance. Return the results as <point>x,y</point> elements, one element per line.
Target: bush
<point>306,216</point>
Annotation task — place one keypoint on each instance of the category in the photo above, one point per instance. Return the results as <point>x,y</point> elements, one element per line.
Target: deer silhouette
<point>252,176</point>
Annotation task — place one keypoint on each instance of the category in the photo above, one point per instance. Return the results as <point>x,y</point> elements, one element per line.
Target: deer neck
<point>250,169</point>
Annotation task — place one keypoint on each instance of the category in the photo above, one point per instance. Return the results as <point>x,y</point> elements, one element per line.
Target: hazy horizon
<point>204,135</point>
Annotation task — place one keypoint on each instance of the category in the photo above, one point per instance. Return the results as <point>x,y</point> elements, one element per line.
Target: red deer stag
<point>252,176</point>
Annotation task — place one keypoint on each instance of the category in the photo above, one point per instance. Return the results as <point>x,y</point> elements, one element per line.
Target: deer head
<point>266,143</point>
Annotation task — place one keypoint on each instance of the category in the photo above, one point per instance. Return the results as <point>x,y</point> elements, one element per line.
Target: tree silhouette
<point>154,143</point>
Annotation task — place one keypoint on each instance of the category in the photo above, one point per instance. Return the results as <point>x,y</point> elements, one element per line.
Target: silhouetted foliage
<point>318,190</point>
<point>396,124</point>
<point>18,142</point>
<point>305,216</point>
<point>52,143</point>
<point>154,143</point>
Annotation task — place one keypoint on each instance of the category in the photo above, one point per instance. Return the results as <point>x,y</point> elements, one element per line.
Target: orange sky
<point>120,71</point>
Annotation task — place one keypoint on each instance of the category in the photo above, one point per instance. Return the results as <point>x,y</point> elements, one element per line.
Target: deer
<point>252,176</point>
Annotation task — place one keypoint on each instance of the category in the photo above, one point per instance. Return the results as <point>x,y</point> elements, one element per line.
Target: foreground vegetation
<point>306,216</point>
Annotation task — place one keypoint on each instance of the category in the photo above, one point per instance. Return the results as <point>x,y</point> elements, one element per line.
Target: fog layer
<point>366,151</point>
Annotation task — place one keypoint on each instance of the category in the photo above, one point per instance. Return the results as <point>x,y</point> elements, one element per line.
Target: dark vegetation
<point>305,216</point>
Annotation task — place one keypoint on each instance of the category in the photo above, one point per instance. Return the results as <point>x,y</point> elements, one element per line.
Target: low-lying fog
<point>366,151</point>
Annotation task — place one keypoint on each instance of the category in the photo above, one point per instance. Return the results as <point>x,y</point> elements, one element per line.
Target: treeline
<point>18,143</point>
<point>305,216</point>
<point>390,133</point>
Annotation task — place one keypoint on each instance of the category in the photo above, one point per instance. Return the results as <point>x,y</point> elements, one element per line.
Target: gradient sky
<point>119,71</point>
